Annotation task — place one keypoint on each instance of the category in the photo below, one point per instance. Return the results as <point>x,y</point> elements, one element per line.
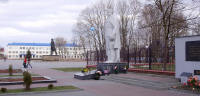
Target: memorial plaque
<point>196,72</point>
<point>192,51</point>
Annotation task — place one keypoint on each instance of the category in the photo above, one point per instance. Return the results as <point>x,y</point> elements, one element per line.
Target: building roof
<point>39,44</point>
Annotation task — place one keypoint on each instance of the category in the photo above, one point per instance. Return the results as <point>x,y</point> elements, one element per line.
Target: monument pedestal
<point>50,57</point>
<point>113,67</point>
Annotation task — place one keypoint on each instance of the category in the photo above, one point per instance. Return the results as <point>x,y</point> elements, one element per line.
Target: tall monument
<point>112,37</point>
<point>113,45</point>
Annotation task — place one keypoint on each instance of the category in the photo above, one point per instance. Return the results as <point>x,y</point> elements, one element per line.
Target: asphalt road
<point>17,64</point>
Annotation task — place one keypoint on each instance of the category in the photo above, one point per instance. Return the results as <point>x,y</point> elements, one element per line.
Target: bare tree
<point>95,17</point>
<point>60,44</point>
<point>162,21</point>
<point>158,24</point>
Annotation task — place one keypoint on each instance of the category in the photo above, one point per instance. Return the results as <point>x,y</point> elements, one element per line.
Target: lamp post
<point>97,51</point>
<point>87,58</point>
<point>128,56</point>
<point>147,53</point>
<point>149,56</point>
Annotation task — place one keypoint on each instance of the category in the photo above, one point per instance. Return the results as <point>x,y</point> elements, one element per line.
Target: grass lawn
<point>170,67</point>
<point>15,75</point>
<point>9,75</point>
<point>71,69</point>
<point>39,89</point>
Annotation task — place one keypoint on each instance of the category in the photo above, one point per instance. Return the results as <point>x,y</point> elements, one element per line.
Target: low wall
<point>50,57</point>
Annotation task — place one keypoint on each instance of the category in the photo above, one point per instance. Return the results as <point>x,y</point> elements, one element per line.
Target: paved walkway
<point>131,84</point>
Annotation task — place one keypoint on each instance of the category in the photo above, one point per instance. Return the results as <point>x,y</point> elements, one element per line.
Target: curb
<point>183,91</point>
<point>152,71</point>
<point>54,91</point>
<point>34,82</point>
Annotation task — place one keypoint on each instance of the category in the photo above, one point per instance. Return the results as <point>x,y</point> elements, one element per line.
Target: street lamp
<point>87,57</point>
<point>97,56</point>
<point>149,55</point>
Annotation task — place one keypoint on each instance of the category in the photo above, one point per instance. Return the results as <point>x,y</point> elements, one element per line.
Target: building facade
<point>18,50</point>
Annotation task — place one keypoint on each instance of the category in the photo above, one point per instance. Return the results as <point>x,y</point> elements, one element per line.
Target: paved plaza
<point>131,84</point>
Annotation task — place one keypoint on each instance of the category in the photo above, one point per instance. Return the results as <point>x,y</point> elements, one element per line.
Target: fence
<point>144,59</point>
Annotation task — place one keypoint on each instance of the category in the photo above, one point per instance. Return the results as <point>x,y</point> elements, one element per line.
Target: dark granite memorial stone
<point>196,72</point>
<point>186,74</point>
<point>192,51</point>
<point>113,67</point>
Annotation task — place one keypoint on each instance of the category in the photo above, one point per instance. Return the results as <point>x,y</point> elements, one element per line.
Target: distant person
<point>4,58</point>
<point>25,61</point>
<point>28,55</point>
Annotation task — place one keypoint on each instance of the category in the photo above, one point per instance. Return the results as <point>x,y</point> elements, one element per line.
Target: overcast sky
<point>38,20</point>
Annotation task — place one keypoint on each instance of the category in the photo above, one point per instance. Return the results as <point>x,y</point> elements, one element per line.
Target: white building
<point>1,52</point>
<point>18,50</point>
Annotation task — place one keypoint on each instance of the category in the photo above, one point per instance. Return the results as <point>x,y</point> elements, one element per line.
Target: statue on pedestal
<point>112,37</point>
<point>53,48</point>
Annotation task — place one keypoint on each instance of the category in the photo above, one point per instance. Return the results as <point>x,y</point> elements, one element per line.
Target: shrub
<point>10,70</point>
<point>3,90</point>
<point>50,86</point>
<point>27,80</point>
